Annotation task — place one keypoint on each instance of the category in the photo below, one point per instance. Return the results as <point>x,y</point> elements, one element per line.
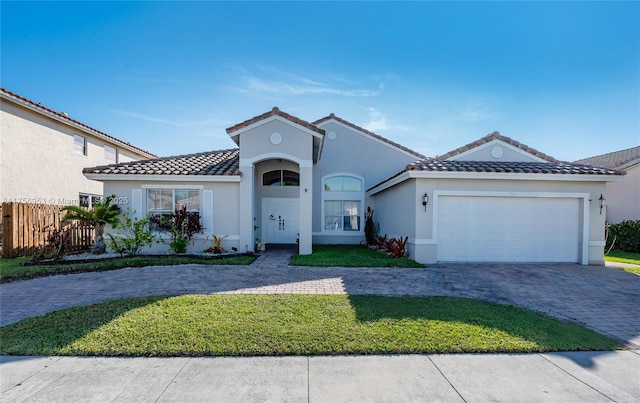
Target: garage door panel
<point>511,229</point>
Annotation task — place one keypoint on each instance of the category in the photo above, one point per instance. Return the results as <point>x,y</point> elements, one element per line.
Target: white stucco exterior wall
<point>272,140</point>
<point>423,242</point>
<point>224,207</point>
<point>38,162</point>
<point>349,151</point>
<point>623,197</point>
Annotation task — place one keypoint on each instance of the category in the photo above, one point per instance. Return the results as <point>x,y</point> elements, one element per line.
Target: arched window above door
<point>281,177</point>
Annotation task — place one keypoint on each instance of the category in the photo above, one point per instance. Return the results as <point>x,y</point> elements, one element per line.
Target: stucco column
<point>247,241</point>
<point>306,207</point>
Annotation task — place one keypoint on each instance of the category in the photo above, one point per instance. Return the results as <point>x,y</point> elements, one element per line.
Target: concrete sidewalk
<point>555,377</point>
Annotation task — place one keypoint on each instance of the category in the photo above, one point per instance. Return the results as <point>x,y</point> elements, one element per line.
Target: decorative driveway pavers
<point>600,298</point>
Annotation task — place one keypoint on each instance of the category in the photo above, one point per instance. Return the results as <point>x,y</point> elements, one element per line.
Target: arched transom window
<point>342,199</point>
<point>281,177</point>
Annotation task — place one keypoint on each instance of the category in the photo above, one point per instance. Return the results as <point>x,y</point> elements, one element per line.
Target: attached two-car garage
<point>507,229</point>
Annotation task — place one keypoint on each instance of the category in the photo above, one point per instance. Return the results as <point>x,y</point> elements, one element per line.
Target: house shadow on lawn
<point>469,325</point>
<point>50,333</point>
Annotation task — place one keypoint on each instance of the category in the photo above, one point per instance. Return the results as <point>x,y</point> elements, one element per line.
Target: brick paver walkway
<point>600,298</point>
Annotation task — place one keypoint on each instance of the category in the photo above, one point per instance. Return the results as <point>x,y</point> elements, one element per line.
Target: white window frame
<point>173,189</point>
<point>107,152</point>
<point>76,145</point>
<point>281,178</point>
<point>92,199</point>
<point>327,195</point>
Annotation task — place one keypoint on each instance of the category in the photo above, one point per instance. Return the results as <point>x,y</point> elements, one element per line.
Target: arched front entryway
<point>277,188</point>
<point>277,192</point>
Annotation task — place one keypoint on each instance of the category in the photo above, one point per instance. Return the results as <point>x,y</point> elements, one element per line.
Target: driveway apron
<point>602,299</point>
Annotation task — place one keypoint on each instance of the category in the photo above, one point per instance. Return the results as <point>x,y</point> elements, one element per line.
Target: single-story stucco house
<point>494,200</point>
<point>623,197</point>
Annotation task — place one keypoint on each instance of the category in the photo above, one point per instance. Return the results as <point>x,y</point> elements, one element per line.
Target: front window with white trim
<point>163,202</point>
<point>342,199</point>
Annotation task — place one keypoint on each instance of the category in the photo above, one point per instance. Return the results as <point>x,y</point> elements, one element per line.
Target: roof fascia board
<point>515,176</point>
<point>388,183</point>
<point>332,120</point>
<point>630,164</point>
<point>490,176</point>
<point>271,119</point>
<point>76,126</point>
<point>164,178</point>
<point>501,143</point>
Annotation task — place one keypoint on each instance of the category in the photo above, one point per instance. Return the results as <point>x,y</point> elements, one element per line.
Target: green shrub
<point>370,228</point>
<point>132,236</point>
<point>624,236</point>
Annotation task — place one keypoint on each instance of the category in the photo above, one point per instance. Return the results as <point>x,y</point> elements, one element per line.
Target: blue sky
<point>562,77</point>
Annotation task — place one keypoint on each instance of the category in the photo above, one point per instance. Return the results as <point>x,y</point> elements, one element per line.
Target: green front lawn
<point>349,256</point>
<point>12,269</point>
<point>624,257</point>
<point>232,325</point>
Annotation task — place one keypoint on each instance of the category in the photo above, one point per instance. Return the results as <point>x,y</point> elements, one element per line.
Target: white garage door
<point>507,229</point>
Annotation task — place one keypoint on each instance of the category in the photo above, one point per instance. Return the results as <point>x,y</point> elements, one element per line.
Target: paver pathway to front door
<point>600,298</point>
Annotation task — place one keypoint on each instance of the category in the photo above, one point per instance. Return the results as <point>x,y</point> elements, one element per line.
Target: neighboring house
<point>623,197</point>
<point>43,152</point>
<point>291,180</point>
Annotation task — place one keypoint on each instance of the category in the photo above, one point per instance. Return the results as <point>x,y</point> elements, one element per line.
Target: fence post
<point>7,230</point>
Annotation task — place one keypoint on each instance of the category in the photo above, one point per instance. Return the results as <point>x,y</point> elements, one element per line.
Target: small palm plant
<point>103,213</point>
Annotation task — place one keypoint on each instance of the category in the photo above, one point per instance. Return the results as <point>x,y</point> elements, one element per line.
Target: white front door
<point>280,220</point>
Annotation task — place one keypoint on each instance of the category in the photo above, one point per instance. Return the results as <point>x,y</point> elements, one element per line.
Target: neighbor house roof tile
<point>616,159</point>
<point>275,112</point>
<point>212,163</point>
<point>496,136</point>
<point>550,168</point>
<point>61,115</point>
<point>370,133</point>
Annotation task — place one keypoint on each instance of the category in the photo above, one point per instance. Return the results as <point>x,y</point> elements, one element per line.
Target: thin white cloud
<point>267,80</point>
<point>154,119</point>
<point>299,87</point>
<point>151,80</point>
<point>475,113</point>
<point>378,122</point>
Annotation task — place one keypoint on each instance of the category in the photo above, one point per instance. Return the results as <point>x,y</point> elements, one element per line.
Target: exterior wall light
<point>601,200</point>
<point>425,201</point>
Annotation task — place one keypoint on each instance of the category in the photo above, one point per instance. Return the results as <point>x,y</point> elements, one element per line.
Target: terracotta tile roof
<point>553,168</point>
<point>496,136</point>
<point>372,134</point>
<point>65,117</point>
<point>212,163</point>
<point>503,167</point>
<point>617,159</point>
<point>275,112</point>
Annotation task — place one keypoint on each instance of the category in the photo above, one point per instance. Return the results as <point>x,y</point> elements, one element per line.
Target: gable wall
<point>352,153</point>
<point>483,153</point>
<point>257,141</point>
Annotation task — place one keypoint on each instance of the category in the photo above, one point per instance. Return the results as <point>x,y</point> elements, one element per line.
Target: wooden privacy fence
<point>25,228</point>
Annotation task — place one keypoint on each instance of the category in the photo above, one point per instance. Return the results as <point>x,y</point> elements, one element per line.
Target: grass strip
<point>12,269</point>
<point>624,257</point>
<point>349,256</point>
<point>248,325</point>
